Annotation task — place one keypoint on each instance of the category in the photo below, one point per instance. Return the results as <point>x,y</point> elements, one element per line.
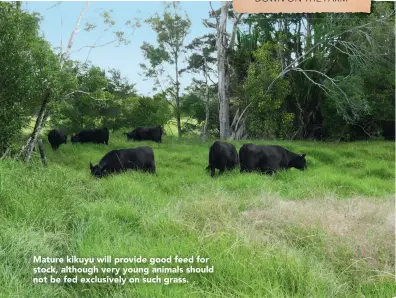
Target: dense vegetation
<point>323,76</point>
<point>325,232</point>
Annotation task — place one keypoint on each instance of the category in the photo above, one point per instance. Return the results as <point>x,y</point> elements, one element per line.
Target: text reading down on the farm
<point>119,270</point>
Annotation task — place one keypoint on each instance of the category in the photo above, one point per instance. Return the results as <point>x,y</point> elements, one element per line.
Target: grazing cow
<point>388,128</point>
<point>269,159</point>
<point>96,135</point>
<point>222,156</point>
<point>56,138</point>
<point>139,158</point>
<point>145,133</point>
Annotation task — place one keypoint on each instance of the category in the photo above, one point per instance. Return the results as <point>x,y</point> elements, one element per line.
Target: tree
<point>224,45</point>
<point>50,93</point>
<point>172,30</point>
<point>337,66</point>
<point>57,91</point>
<point>268,119</point>
<point>119,86</point>
<point>201,61</point>
<point>110,101</point>
<point>28,69</point>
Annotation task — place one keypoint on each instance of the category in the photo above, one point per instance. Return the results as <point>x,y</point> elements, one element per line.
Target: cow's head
<point>96,170</point>
<point>299,162</point>
<point>75,138</point>
<point>65,139</point>
<point>131,135</point>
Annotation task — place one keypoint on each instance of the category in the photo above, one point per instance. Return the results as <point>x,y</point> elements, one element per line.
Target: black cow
<point>222,156</point>
<point>139,158</point>
<point>96,135</point>
<point>56,138</point>
<point>388,128</point>
<point>145,133</point>
<point>269,159</point>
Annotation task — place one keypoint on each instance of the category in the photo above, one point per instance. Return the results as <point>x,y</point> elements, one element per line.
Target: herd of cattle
<point>222,156</point>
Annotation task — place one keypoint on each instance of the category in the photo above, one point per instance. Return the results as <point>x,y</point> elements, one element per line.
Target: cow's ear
<point>90,165</point>
<point>303,155</point>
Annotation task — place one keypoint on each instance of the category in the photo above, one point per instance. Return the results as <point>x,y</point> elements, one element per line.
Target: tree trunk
<point>207,102</point>
<point>37,127</point>
<point>42,116</point>
<point>238,126</point>
<point>42,152</point>
<point>298,42</point>
<point>177,97</point>
<point>221,43</point>
<point>5,154</point>
<point>308,34</point>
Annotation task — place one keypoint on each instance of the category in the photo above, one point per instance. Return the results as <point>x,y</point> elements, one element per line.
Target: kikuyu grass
<point>323,232</point>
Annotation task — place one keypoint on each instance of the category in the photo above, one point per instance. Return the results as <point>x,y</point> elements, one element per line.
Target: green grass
<point>324,232</point>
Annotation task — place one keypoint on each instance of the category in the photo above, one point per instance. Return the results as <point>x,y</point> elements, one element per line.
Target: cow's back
<point>96,135</point>
<point>56,137</point>
<point>222,154</point>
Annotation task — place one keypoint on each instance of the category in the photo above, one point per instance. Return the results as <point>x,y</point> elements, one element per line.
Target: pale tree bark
<point>207,102</point>
<point>37,127</point>
<point>223,49</point>
<point>179,132</point>
<point>42,152</point>
<point>221,43</point>
<point>238,127</point>
<point>42,115</point>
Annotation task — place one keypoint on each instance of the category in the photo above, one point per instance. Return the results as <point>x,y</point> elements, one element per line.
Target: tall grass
<point>324,232</point>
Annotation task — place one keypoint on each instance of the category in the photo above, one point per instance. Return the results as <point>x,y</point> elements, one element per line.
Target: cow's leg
<point>212,171</point>
<point>249,167</point>
<point>151,168</point>
<point>222,170</point>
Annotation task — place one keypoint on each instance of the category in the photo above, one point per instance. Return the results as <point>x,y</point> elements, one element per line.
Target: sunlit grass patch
<point>323,232</point>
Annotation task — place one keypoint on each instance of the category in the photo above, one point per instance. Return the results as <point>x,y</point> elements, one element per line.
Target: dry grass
<point>355,237</point>
<point>357,218</point>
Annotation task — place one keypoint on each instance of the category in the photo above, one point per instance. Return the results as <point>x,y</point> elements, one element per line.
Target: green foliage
<point>28,71</point>
<point>346,105</point>
<point>144,111</point>
<point>106,101</point>
<point>194,106</point>
<point>265,94</point>
<point>342,87</point>
<point>171,29</point>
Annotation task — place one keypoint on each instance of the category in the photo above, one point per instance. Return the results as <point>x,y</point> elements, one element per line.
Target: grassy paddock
<point>325,232</point>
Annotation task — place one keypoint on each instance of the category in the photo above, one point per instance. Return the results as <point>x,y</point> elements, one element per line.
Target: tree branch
<point>234,29</point>
<point>66,55</point>
<point>214,15</point>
